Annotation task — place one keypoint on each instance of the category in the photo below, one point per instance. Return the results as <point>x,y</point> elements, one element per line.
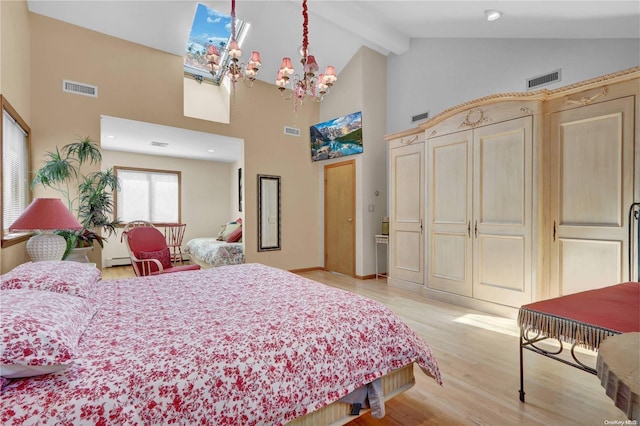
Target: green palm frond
<point>56,170</point>
<point>84,150</point>
<point>93,191</point>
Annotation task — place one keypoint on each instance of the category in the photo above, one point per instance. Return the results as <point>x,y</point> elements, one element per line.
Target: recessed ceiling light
<point>492,15</point>
<point>111,137</point>
<point>211,150</point>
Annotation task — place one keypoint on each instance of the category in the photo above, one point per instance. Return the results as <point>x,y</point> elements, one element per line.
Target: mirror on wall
<point>268,213</point>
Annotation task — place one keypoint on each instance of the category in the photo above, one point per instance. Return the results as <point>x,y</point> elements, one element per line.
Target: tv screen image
<point>338,137</point>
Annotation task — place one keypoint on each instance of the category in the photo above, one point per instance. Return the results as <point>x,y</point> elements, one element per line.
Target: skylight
<point>209,26</point>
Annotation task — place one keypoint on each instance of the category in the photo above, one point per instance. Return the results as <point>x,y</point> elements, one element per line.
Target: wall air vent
<point>79,88</point>
<point>291,131</point>
<point>420,117</point>
<point>160,144</point>
<point>543,80</point>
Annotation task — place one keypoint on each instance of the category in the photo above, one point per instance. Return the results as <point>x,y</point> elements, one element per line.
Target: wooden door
<point>502,212</point>
<point>591,190</point>
<point>450,213</point>
<point>406,238</point>
<point>339,217</point>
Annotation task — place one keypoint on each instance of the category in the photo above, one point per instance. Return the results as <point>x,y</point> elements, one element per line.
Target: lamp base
<point>46,246</point>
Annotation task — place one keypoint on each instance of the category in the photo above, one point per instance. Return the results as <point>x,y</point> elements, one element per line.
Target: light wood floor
<point>478,357</point>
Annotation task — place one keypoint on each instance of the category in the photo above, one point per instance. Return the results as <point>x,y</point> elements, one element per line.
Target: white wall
<point>206,194</point>
<point>436,74</point>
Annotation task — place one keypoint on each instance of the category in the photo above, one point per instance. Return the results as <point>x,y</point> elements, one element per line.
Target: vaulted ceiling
<point>338,28</point>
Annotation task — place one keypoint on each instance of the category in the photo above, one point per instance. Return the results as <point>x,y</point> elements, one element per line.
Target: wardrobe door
<point>406,239</point>
<point>449,213</point>
<point>592,156</point>
<point>502,212</point>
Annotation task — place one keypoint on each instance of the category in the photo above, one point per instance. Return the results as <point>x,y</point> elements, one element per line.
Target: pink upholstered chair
<point>149,252</point>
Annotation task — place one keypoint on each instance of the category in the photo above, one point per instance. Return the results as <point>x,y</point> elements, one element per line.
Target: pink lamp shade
<point>286,67</point>
<point>46,214</point>
<point>255,59</point>
<point>234,49</point>
<point>311,66</point>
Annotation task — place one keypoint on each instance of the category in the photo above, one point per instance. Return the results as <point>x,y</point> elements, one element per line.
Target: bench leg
<point>521,368</point>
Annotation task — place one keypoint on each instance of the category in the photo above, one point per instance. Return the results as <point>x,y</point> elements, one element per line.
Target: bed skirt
<point>339,413</point>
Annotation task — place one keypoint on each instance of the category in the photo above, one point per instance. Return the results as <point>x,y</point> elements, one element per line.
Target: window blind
<point>15,174</point>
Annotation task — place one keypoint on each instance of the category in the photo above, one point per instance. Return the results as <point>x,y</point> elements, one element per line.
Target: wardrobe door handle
<point>469,229</point>
<point>554,230</point>
<point>476,229</point>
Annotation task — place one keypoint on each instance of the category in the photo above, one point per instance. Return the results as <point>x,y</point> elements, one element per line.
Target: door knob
<point>350,220</point>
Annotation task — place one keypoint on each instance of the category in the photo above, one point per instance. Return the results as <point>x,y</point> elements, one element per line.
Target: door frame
<point>353,212</point>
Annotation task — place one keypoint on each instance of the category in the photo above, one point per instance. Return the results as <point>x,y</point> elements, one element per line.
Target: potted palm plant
<point>88,195</point>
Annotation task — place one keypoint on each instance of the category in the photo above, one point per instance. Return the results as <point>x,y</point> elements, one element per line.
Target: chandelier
<point>307,85</point>
<point>230,62</point>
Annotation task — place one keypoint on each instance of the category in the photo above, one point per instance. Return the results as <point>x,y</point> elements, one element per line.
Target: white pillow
<point>74,278</point>
<point>40,330</point>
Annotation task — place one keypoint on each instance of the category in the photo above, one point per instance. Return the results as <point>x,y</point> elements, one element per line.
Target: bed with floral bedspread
<point>214,253</point>
<point>235,345</point>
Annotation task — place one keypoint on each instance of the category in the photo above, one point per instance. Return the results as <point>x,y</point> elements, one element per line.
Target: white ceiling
<point>119,134</point>
<point>338,28</point>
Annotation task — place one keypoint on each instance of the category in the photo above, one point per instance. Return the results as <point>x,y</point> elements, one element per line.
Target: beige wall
<point>362,87</point>
<point>143,84</point>
<point>233,181</point>
<point>206,192</point>
<point>15,76</point>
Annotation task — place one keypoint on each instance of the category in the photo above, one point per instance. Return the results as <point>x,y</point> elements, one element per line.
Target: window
<point>210,27</point>
<point>16,194</point>
<point>152,195</point>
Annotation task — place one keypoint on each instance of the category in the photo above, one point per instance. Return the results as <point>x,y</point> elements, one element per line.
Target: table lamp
<point>46,215</point>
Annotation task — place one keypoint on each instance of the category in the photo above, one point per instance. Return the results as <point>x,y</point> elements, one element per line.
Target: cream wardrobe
<point>517,197</point>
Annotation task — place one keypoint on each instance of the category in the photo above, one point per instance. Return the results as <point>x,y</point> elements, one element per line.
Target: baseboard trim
<point>469,302</point>
<point>456,299</point>
<point>315,268</point>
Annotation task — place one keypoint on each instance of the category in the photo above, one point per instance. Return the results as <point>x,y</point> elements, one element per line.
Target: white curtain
<point>151,196</point>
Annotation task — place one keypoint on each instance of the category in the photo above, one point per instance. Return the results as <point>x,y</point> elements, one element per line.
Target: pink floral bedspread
<point>235,345</point>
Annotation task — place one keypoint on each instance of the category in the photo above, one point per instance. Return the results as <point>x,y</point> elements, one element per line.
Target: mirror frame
<point>263,203</point>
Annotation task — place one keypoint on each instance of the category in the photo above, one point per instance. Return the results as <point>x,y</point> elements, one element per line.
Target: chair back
<point>145,238</point>
<point>174,234</point>
<point>136,223</point>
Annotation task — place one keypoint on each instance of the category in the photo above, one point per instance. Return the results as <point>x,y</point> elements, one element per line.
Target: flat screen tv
<point>336,138</point>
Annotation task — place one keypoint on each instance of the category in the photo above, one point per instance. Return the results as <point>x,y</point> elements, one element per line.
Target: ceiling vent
<point>543,80</point>
<point>420,117</point>
<point>291,131</point>
<point>84,89</point>
<point>160,144</point>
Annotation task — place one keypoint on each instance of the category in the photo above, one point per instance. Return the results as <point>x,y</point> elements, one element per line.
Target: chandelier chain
<point>305,30</point>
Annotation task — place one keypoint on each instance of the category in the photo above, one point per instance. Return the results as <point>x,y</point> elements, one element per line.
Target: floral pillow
<point>74,278</point>
<point>40,331</point>
<point>164,256</point>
